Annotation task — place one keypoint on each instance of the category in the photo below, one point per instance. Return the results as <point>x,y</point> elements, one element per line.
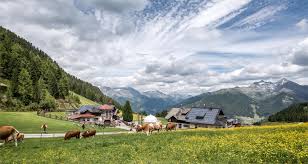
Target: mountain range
<point>259,99</point>
<point>148,101</point>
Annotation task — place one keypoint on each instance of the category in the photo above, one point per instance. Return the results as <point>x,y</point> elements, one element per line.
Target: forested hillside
<point>294,113</point>
<point>30,78</point>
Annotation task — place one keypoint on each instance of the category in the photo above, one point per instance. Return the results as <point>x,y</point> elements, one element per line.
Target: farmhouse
<point>95,114</point>
<point>177,115</point>
<point>197,117</point>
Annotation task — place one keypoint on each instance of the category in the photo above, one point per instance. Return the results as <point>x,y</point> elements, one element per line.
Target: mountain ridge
<point>148,101</point>
<point>261,98</point>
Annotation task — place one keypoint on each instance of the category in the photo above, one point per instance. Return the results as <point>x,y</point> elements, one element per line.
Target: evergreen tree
<point>294,113</point>
<point>48,102</point>
<point>127,112</point>
<point>63,87</point>
<point>25,89</point>
<point>39,88</point>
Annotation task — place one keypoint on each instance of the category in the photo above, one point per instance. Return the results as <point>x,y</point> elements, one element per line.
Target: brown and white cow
<point>170,126</point>
<point>71,134</point>
<point>89,133</point>
<point>158,126</point>
<point>19,137</point>
<point>148,128</point>
<point>8,131</point>
<point>138,128</point>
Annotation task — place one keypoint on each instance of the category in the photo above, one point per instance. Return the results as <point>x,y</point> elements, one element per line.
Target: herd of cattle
<point>149,128</point>
<point>10,134</point>
<point>76,134</point>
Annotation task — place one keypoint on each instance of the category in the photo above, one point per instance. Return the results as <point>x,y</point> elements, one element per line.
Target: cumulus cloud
<point>116,6</point>
<point>299,54</point>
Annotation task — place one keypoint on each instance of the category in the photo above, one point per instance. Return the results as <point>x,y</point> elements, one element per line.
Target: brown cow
<point>158,126</point>
<point>148,128</point>
<point>89,133</point>
<point>138,128</point>
<point>6,132</point>
<point>71,134</point>
<point>170,126</point>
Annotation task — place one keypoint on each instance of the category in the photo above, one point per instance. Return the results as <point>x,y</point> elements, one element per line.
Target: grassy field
<point>266,144</point>
<point>29,122</point>
<point>64,105</point>
<point>85,101</point>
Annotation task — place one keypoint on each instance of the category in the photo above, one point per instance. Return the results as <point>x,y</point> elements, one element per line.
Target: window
<point>199,117</point>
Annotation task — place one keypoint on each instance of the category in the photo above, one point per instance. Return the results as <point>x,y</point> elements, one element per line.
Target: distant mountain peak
<point>282,81</point>
<point>149,101</point>
<point>156,93</point>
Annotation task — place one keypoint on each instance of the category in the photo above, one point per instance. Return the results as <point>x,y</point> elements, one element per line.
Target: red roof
<point>106,107</point>
<point>86,115</point>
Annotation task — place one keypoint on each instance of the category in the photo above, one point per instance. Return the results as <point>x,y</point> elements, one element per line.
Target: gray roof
<point>181,115</point>
<point>203,115</point>
<point>178,113</point>
<point>172,112</point>
<point>88,108</point>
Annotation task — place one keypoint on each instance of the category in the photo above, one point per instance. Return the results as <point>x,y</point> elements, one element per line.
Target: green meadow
<point>263,144</point>
<point>29,122</point>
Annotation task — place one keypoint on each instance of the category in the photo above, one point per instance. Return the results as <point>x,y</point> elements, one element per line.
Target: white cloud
<point>302,25</point>
<point>299,54</point>
<point>108,44</point>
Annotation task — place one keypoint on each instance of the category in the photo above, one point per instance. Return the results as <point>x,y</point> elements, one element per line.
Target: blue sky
<point>183,46</point>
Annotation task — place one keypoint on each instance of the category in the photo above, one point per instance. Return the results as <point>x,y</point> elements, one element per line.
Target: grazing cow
<point>19,137</point>
<point>158,126</point>
<point>89,133</point>
<point>170,126</point>
<point>148,128</point>
<point>8,131</point>
<point>138,128</point>
<point>71,134</point>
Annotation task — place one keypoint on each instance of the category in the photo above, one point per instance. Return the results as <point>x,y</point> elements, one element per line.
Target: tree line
<point>35,80</point>
<point>294,113</point>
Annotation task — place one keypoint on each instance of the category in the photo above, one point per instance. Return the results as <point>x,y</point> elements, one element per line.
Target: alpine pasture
<point>261,144</point>
<point>29,122</point>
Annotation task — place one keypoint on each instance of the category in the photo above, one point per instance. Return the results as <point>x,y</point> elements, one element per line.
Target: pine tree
<point>25,89</point>
<point>127,112</point>
<point>48,102</point>
<point>39,88</point>
<point>63,87</point>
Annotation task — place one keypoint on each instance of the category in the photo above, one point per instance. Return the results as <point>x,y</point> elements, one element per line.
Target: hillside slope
<point>294,113</point>
<point>34,79</point>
